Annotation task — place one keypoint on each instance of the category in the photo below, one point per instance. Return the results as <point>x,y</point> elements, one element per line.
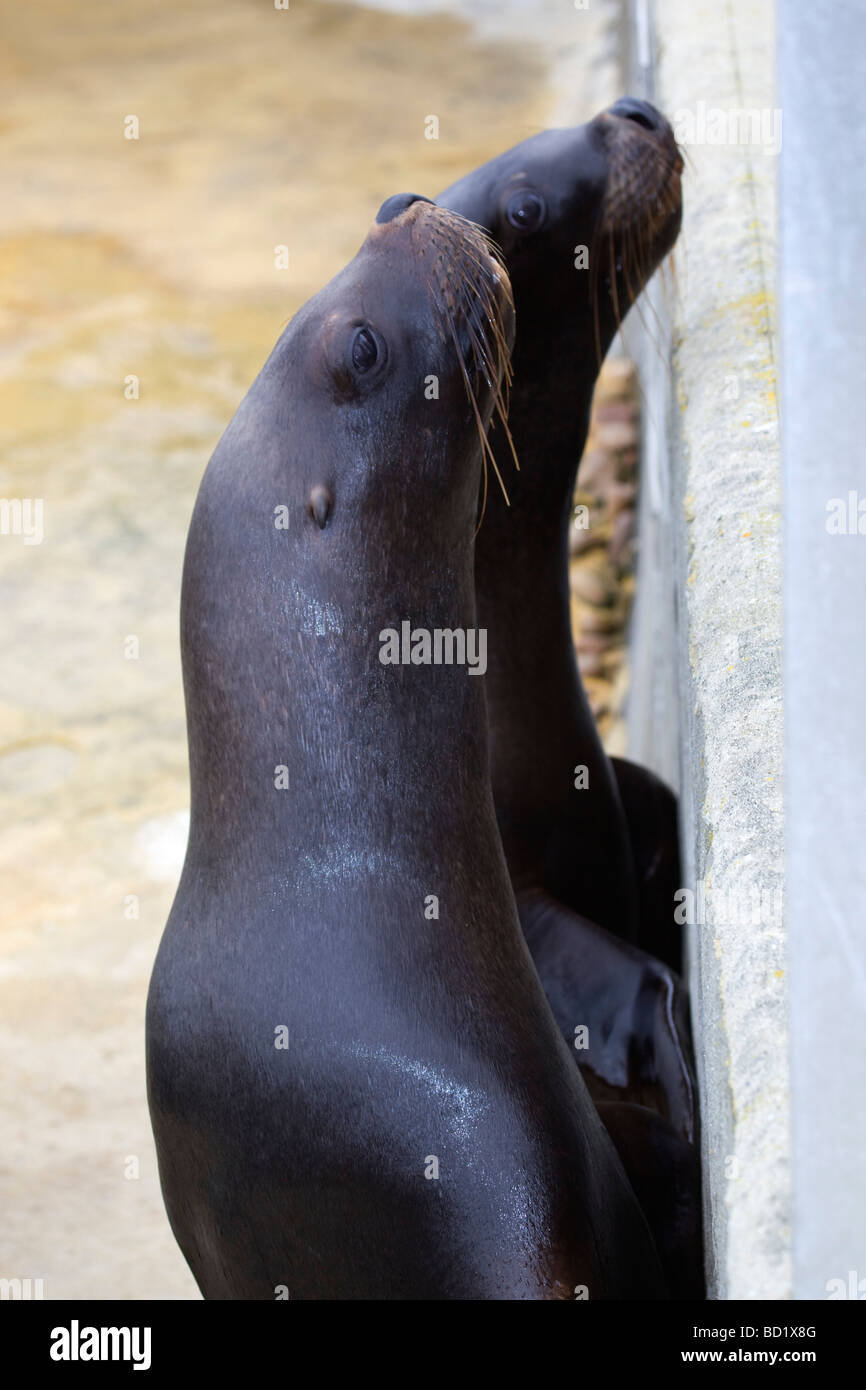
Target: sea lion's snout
<point>643,197</point>
<point>392,207</point>
<point>634,121</point>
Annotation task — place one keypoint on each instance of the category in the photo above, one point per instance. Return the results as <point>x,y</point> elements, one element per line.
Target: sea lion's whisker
<point>482,433</point>
<point>613,288</point>
<point>466,289</point>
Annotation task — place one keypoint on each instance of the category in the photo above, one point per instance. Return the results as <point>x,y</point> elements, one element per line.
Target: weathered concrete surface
<point>721,421</point>
<point>155,257</point>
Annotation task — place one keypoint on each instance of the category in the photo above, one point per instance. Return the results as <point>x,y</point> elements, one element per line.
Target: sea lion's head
<point>406,353</point>
<point>583,218</point>
<point>343,497</point>
<point>376,400</point>
<point>352,467</point>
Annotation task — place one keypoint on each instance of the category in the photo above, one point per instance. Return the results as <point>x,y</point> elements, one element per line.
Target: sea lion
<point>356,1084</point>
<point>583,217</point>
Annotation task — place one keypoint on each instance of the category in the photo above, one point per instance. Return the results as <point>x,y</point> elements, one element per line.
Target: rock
<point>597,470</point>
<point>612,661</point>
<point>618,377</point>
<point>585,538</point>
<point>619,496</point>
<point>601,578</point>
<point>593,585</point>
<point>616,435</point>
<point>600,620</point>
<point>593,642</point>
<point>618,410</point>
<point>590,664</point>
<point>621,541</point>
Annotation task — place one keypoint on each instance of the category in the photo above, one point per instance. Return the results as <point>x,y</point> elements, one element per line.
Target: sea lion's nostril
<point>392,207</point>
<point>641,112</point>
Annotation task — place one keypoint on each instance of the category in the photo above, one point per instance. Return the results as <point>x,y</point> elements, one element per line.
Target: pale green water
<point>153,257</point>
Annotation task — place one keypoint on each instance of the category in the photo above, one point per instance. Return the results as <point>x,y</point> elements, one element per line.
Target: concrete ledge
<point>711,560</point>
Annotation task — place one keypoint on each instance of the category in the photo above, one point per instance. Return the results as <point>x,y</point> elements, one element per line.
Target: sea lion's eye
<point>365,350</point>
<point>525,210</point>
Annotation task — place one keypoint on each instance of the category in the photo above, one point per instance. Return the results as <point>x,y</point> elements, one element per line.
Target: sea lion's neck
<point>521,570</point>
<point>541,728</point>
<point>301,714</point>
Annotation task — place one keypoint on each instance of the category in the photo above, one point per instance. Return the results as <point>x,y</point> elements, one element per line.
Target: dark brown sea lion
<point>583,217</point>
<point>357,1088</point>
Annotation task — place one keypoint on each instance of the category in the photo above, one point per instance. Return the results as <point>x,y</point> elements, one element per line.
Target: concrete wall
<point>706,698</point>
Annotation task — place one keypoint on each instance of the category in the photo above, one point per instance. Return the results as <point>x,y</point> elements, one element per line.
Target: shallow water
<point>155,258</point>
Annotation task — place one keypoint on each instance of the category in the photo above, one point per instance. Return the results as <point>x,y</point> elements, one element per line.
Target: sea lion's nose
<point>392,207</point>
<point>641,112</point>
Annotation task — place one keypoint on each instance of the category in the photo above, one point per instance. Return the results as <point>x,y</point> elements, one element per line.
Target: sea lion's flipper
<point>651,815</point>
<point>665,1174</point>
<point>624,1013</point>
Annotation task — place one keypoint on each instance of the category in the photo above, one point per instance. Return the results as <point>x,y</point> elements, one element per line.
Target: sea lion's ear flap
<point>320,505</point>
